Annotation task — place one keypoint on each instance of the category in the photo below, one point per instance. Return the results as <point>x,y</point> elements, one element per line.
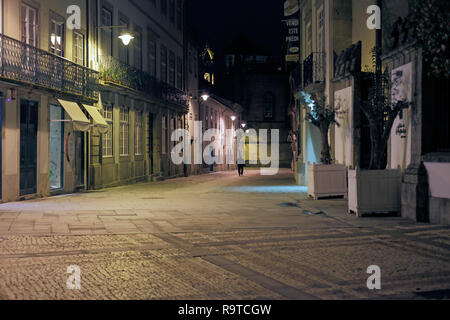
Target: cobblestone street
<point>216,236</point>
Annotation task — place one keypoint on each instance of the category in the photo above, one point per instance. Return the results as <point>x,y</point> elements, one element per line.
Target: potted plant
<point>325,179</point>
<point>378,189</point>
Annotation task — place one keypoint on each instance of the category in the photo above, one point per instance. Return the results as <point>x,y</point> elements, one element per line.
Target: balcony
<point>25,64</point>
<point>114,72</point>
<point>314,69</point>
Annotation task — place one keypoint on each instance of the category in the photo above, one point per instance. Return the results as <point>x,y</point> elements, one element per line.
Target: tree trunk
<point>325,154</point>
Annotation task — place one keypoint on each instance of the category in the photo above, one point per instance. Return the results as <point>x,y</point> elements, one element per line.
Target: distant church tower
<point>208,68</point>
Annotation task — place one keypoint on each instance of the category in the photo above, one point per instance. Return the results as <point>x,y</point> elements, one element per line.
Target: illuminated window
<point>57,37</point>
<point>138,130</point>
<point>108,137</point>
<point>124,131</point>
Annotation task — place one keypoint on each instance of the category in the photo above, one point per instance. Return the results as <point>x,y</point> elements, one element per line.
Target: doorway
<point>56,148</point>
<point>28,146</point>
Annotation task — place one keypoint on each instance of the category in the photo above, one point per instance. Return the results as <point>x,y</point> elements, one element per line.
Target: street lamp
<point>243,125</point>
<point>233,118</point>
<point>205,97</point>
<point>126,38</point>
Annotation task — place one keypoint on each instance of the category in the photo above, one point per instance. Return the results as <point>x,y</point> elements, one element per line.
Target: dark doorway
<point>150,142</point>
<point>28,146</point>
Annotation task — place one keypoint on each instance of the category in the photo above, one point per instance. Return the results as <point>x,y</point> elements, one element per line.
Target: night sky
<point>219,21</point>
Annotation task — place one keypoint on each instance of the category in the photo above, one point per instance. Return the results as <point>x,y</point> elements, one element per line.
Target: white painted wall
<point>400,148</point>
<point>344,133</point>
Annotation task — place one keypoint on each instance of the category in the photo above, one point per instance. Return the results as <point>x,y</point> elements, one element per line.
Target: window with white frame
<point>138,131</point>
<point>29,25</point>
<point>57,37</point>
<point>108,136</point>
<point>124,131</point>
<point>78,48</point>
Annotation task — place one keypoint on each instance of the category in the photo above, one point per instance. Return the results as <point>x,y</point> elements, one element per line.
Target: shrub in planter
<point>377,190</point>
<point>325,179</point>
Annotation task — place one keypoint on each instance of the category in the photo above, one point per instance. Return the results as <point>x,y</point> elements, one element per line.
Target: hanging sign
<point>291,9</point>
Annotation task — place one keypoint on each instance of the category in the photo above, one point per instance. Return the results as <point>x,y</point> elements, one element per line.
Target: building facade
<point>252,78</point>
<point>79,108</point>
<point>44,85</point>
<point>336,56</point>
<point>142,91</point>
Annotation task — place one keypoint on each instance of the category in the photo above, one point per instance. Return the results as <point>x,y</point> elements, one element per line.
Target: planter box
<point>374,191</point>
<point>327,180</point>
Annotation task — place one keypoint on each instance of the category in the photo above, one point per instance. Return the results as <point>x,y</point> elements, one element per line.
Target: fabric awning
<point>80,121</point>
<point>98,119</point>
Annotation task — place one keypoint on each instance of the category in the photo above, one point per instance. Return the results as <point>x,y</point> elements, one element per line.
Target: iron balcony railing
<point>119,73</point>
<point>23,63</point>
<point>314,69</point>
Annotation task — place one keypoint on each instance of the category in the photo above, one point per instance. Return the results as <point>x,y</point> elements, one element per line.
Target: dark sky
<point>219,21</point>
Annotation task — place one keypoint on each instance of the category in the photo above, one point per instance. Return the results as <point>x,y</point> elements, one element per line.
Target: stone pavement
<point>215,236</point>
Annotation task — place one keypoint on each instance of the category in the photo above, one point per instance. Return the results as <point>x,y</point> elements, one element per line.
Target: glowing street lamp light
<point>126,38</point>
<point>243,125</point>
<point>233,118</point>
<point>205,97</point>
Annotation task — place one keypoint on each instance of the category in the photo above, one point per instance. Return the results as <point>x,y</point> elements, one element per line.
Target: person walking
<point>240,165</point>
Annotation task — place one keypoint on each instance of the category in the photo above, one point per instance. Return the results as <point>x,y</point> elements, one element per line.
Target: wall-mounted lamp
<point>126,38</point>
<point>233,118</point>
